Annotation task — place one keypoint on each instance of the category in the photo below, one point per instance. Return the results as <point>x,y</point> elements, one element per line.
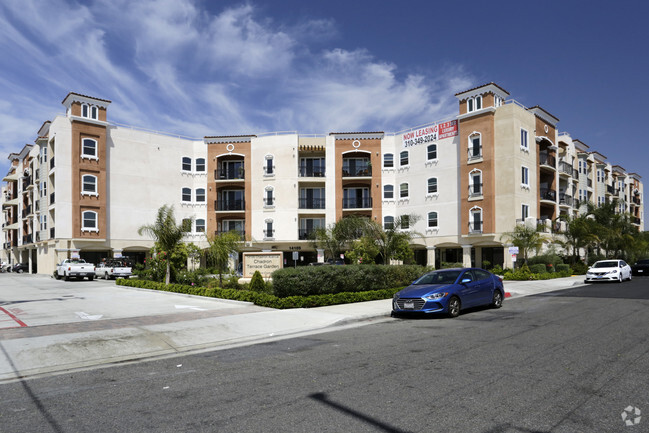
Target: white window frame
<point>474,104</point>
<point>182,164</point>
<point>83,149</point>
<point>472,174</point>
<point>196,195</point>
<point>391,160</point>
<point>196,162</point>
<point>271,190</point>
<point>436,226</point>
<point>470,147</point>
<point>182,195</point>
<point>476,210</point>
<point>43,188</point>
<point>525,177</point>
<point>385,197</point>
<point>269,161</point>
<point>84,228</point>
<point>197,225</point>
<point>43,222</point>
<point>43,156</point>
<point>525,211</point>
<point>407,164</point>
<point>391,222</point>
<point>83,182</point>
<point>428,191</point>
<point>428,151</point>
<point>269,226</point>
<point>401,190</point>
<point>525,143</point>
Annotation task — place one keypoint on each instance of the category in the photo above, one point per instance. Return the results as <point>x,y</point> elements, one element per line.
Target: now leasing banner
<point>429,134</point>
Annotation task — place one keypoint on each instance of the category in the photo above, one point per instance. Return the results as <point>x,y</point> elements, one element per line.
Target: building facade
<point>86,185</point>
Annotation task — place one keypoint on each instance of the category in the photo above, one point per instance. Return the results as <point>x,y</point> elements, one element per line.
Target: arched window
<point>269,168</point>
<point>200,225</point>
<point>388,222</point>
<point>89,221</point>
<point>403,158</point>
<point>388,160</point>
<point>89,184</point>
<point>89,148</point>
<point>431,152</point>
<point>475,146</point>
<point>475,183</point>
<point>269,200</point>
<point>200,165</point>
<point>269,232</point>
<point>186,195</point>
<point>403,190</point>
<point>432,219</point>
<point>187,164</point>
<point>432,185</point>
<point>475,220</point>
<point>200,195</point>
<point>388,192</point>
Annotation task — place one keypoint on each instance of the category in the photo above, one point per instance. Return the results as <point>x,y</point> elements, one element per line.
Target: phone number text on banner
<point>420,136</point>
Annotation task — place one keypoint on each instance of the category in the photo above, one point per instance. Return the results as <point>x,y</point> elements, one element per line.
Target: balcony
<point>610,189</point>
<point>636,221</point>
<point>475,227</point>
<point>357,203</point>
<point>636,200</point>
<point>241,233</point>
<point>362,170</point>
<point>565,200</point>
<point>565,168</point>
<point>548,194</point>
<point>307,171</point>
<point>474,153</point>
<point>52,163</point>
<point>229,173</point>
<point>475,190</point>
<point>590,183</point>
<point>27,183</point>
<point>576,203</point>
<point>312,203</point>
<point>51,199</point>
<point>27,239</point>
<point>27,211</point>
<point>547,160</point>
<point>305,234</point>
<point>229,205</point>
<point>269,233</point>
<point>269,201</point>
<point>52,232</point>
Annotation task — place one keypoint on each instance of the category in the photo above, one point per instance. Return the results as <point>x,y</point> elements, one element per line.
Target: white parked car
<point>75,268</point>
<point>609,270</point>
<point>113,269</point>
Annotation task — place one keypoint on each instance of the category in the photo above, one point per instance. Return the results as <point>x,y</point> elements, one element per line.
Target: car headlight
<point>436,296</point>
<point>612,272</point>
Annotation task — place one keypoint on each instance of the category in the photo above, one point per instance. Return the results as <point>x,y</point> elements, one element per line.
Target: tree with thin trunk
<point>166,233</point>
<point>221,248</point>
<point>526,239</point>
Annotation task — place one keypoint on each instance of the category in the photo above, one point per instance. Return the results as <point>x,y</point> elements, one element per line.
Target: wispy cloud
<point>173,65</point>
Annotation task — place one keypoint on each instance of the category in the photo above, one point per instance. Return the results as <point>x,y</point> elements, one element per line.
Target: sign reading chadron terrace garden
<point>265,263</point>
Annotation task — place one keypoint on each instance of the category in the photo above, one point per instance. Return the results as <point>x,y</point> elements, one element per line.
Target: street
<point>568,361</point>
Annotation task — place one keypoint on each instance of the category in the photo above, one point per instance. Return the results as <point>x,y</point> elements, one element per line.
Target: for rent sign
<point>429,134</point>
<point>265,263</point>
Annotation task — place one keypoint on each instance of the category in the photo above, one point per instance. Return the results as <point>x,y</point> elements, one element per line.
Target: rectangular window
<point>89,148</point>
<point>43,222</point>
<point>524,143</point>
<point>525,211</point>
<point>186,194</point>
<point>432,152</point>
<point>200,165</point>
<point>388,192</point>
<point>200,195</point>
<point>388,222</point>
<point>405,222</point>
<point>469,105</point>
<point>200,226</point>
<point>432,185</point>
<point>269,232</point>
<point>403,190</point>
<point>525,180</point>
<point>269,166</point>
<point>388,160</point>
<point>475,147</point>
<point>432,219</point>
<point>187,164</point>
<point>403,158</point>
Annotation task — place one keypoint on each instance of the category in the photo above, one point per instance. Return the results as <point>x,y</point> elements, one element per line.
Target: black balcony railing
<point>610,189</point>
<point>475,152</point>
<point>475,227</point>
<point>566,168</point>
<point>51,198</point>
<point>312,203</point>
<point>547,160</point>
<point>548,194</point>
<point>27,239</point>
<point>269,201</point>
<point>636,200</point>
<point>565,199</point>
<point>636,220</point>
<point>304,234</point>
<point>229,174</point>
<point>269,233</point>
<point>221,205</point>
<point>357,203</point>
<point>28,210</point>
<point>306,171</point>
<point>475,190</point>
<point>362,170</point>
<point>27,182</point>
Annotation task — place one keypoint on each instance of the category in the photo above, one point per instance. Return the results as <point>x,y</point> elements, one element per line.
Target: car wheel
<point>106,277</point>
<point>20,271</point>
<point>91,278</point>
<point>630,276</point>
<point>57,276</point>
<point>454,307</point>
<point>67,277</point>
<point>619,278</point>
<point>497,300</point>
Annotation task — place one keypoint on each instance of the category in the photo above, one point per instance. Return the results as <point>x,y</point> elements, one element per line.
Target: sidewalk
<point>32,351</point>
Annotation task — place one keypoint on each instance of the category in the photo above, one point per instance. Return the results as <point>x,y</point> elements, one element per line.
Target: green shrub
<point>579,268</point>
<point>447,265</point>
<point>538,268</point>
<point>498,270</point>
<point>564,268</point>
<point>545,259</point>
<point>257,283</point>
<point>320,280</point>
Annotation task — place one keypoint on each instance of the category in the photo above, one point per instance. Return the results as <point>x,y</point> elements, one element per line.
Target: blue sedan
<point>449,291</point>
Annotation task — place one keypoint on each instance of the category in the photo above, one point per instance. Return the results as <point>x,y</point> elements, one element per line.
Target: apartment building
<point>86,184</point>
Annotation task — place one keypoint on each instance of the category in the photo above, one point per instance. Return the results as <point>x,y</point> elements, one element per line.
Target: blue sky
<point>201,68</point>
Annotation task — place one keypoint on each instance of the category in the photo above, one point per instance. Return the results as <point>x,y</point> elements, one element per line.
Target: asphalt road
<point>568,361</point>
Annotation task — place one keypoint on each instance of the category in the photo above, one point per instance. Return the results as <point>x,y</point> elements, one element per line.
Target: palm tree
<point>166,233</point>
<point>581,232</point>
<point>526,239</point>
<point>221,247</point>
<point>392,241</point>
<point>337,237</point>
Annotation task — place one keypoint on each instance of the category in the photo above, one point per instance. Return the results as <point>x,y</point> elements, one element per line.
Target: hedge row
<point>325,280</point>
<point>264,299</point>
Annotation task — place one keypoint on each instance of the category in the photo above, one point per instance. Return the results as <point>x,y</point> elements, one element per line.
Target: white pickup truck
<point>75,268</point>
<point>113,269</point>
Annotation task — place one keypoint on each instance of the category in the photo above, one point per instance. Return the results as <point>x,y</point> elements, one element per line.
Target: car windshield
<point>606,264</point>
<point>439,277</point>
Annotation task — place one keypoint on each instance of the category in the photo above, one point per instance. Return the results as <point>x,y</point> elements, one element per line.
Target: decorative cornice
<point>485,88</point>
<point>218,139</point>
<point>88,120</point>
<point>477,113</point>
<point>378,135</point>
<point>544,115</point>
<point>77,97</point>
